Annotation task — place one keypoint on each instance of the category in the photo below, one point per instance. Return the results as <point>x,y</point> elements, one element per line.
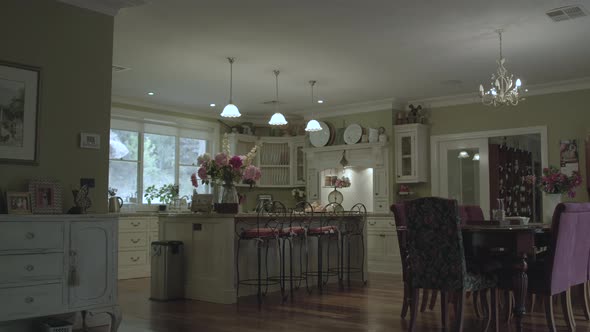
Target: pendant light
<point>277,119</point>
<point>312,125</point>
<point>230,110</point>
<point>343,161</point>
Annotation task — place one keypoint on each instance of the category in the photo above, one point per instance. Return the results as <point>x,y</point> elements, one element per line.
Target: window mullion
<point>140,167</point>
<point>177,161</point>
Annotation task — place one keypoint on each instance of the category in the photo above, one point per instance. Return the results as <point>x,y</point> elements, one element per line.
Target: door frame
<point>437,140</point>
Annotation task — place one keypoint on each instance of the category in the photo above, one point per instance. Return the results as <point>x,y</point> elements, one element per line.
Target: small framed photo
<point>18,202</point>
<point>46,197</point>
<point>89,141</point>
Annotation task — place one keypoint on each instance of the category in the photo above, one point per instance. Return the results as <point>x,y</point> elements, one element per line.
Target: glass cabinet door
<point>299,165</point>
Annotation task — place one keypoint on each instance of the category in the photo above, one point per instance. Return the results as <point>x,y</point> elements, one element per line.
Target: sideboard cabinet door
<point>92,263</point>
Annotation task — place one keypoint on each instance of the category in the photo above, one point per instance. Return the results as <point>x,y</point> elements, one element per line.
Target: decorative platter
<point>322,137</point>
<point>353,134</point>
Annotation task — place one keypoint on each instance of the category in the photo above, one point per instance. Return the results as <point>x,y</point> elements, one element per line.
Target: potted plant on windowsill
<point>166,194</point>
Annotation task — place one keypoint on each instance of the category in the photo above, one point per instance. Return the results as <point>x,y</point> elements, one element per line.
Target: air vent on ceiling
<point>567,13</point>
<point>118,69</point>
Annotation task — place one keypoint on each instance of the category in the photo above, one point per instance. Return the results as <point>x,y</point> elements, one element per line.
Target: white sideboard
<point>58,264</point>
<point>382,245</point>
<point>136,233</point>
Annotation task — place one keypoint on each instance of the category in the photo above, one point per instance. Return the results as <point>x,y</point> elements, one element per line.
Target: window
<point>145,153</point>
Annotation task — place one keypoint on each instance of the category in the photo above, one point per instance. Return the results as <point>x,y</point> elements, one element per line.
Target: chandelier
<point>503,91</point>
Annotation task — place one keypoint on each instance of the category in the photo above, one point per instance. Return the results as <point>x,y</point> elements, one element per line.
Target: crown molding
<point>354,108</point>
<point>108,7</point>
<point>533,90</point>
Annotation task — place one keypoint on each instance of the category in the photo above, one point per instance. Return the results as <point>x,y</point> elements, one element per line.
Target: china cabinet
<point>58,264</point>
<point>411,153</point>
<point>281,159</point>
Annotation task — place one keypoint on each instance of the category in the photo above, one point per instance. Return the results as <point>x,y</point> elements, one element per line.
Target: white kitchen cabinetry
<point>280,158</point>
<point>382,246</point>
<point>411,153</point>
<point>58,264</point>
<point>136,233</point>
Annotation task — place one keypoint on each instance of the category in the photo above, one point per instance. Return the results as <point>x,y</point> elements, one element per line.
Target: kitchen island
<point>210,245</point>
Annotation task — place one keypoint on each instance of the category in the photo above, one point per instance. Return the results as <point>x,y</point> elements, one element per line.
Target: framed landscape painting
<point>19,107</point>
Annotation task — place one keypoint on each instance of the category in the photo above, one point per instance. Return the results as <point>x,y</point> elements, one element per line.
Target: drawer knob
<point>29,299</point>
<point>30,235</point>
<point>29,267</point>
<point>135,224</point>
<point>382,235</point>
<point>372,223</point>
<point>135,240</point>
<point>134,259</point>
<point>376,194</point>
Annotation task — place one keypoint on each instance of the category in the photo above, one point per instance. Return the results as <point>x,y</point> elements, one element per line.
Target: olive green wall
<point>73,48</point>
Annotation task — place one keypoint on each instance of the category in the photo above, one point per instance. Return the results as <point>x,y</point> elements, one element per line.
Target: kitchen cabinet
<point>411,153</point>
<point>382,246</point>
<point>281,159</point>
<point>58,264</point>
<point>136,233</point>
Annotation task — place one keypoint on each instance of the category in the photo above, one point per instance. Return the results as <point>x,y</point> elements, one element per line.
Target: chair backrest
<point>399,213</point>
<point>301,215</point>
<point>434,244</point>
<point>469,213</point>
<point>354,226</point>
<point>332,214</point>
<point>272,215</point>
<point>569,253</point>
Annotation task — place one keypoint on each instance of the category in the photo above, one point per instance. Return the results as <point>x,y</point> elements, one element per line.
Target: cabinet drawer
<point>381,206</point>
<point>22,302</point>
<point>381,224</point>
<point>133,240</point>
<point>31,267</point>
<point>133,224</point>
<point>136,257</point>
<point>31,235</point>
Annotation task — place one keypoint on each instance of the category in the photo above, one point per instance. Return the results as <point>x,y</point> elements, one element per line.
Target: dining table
<point>519,243</point>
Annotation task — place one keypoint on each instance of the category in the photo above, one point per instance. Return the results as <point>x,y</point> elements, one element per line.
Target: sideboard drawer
<point>29,301</point>
<point>31,235</point>
<point>138,257</point>
<point>17,268</point>
<point>133,239</point>
<point>133,224</point>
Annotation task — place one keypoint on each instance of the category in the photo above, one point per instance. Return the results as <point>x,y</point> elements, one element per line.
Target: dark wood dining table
<point>518,242</point>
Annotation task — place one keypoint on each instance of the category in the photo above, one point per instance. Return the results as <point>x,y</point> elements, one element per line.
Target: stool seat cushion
<point>323,230</point>
<point>259,232</point>
<point>297,230</point>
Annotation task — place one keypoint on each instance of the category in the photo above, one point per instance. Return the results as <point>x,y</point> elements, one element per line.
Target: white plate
<point>322,137</point>
<point>353,134</point>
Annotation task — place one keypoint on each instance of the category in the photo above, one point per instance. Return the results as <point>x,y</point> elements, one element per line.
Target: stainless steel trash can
<point>167,270</point>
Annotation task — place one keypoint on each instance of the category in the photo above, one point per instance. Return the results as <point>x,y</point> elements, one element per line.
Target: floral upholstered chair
<point>436,259</point>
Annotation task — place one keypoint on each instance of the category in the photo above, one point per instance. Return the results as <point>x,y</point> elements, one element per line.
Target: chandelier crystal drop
<point>504,90</point>
<point>312,125</point>
<point>277,119</point>
<point>231,110</point>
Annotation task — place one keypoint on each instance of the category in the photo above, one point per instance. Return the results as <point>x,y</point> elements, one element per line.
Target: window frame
<point>151,123</point>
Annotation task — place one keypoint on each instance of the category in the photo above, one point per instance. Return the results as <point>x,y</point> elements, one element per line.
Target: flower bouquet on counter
<point>343,182</point>
<point>553,181</point>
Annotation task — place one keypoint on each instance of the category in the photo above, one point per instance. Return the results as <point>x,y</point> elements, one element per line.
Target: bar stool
<point>301,216</point>
<point>265,231</point>
<point>327,230</point>
<point>349,229</point>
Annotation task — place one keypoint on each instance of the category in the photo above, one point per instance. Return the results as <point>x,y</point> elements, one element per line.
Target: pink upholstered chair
<point>567,263</point>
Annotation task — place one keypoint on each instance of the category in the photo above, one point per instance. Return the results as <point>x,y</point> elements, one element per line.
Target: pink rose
<point>252,173</point>
<point>236,162</point>
<point>221,159</point>
<point>202,172</point>
<point>194,180</point>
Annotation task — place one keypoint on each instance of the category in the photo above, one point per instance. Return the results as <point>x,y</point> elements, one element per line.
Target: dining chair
<point>264,232</point>
<point>436,259</point>
<point>428,299</point>
<point>567,262</point>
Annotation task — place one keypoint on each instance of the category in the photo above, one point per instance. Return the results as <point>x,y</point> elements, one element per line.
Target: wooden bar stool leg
<point>406,304</point>
<point>424,304</point>
<point>413,309</point>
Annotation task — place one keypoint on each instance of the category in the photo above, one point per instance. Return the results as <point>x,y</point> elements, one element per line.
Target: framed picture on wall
<point>18,202</point>
<point>46,196</point>
<point>19,108</point>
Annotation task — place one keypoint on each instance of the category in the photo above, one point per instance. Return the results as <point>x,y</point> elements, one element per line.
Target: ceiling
<point>358,51</point>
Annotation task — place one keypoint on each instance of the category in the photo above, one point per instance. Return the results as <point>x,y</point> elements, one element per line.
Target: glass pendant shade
<point>230,111</point>
<point>463,155</point>
<point>313,125</point>
<point>476,157</point>
<point>278,119</point>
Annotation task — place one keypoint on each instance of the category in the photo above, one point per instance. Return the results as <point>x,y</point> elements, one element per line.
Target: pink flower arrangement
<point>227,169</point>
<point>555,182</point>
<point>343,182</point>
<point>194,180</point>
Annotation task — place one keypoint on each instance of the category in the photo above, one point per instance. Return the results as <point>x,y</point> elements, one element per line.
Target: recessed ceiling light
<point>320,101</point>
<point>150,93</point>
<point>212,105</point>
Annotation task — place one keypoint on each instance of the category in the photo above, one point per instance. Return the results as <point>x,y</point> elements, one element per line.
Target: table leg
<point>520,286</point>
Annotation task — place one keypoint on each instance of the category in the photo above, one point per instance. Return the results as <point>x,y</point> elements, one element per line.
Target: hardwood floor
<point>375,307</point>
